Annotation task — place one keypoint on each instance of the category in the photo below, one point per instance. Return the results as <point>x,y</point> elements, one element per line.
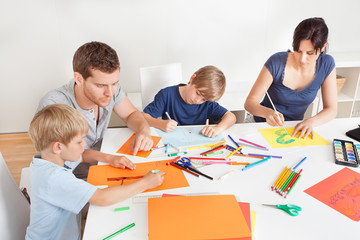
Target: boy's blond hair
<point>211,83</point>
<point>56,123</point>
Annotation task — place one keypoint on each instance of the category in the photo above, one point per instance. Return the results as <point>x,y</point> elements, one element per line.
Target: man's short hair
<point>95,56</point>
<point>56,123</point>
<point>211,83</point>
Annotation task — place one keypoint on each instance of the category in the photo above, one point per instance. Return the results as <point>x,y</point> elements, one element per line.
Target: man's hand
<point>142,141</point>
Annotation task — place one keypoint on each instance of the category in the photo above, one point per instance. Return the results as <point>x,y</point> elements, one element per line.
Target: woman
<point>293,79</point>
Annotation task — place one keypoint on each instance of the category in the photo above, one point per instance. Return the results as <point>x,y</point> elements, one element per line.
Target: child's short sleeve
<point>216,111</point>
<point>68,192</point>
<point>157,107</point>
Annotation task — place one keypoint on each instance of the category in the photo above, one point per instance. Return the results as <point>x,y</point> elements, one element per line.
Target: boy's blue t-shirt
<point>169,100</point>
<point>57,197</point>
<point>293,104</point>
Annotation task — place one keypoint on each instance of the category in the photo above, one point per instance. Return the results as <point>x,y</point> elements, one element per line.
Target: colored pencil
<point>158,147</point>
<point>287,181</point>
<point>281,183</point>
<point>299,163</point>
<point>239,163</point>
<point>254,144</point>
<point>236,144</point>
<point>167,114</point>
<point>292,181</point>
<point>174,164</point>
<point>277,113</point>
<point>121,209</point>
<point>168,163</point>
<point>262,155</point>
<point>201,146</point>
<point>167,148</point>
<point>230,148</point>
<point>215,162</point>
<point>213,150</point>
<point>214,153</point>
<point>120,231</point>
<point>226,174</point>
<point>218,144</point>
<point>297,179</point>
<point>205,158</point>
<point>246,155</point>
<point>258,162</point>
<point>176,148</point>
<point>278,179</point>
<point>255,164</point>
<point>234,151</point>
<point>277,185</point>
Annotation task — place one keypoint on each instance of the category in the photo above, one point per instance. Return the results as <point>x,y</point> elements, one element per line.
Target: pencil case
<point>346,153</point>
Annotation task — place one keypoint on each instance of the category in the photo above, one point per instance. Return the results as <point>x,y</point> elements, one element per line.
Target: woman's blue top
<point>293,104</point>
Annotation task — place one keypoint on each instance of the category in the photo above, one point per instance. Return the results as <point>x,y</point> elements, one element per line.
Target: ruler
<point>144,199</point>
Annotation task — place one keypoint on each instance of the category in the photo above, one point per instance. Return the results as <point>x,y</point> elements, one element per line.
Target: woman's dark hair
<point>313,29</point>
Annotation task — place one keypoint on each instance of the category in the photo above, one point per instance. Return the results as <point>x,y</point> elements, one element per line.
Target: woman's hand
<point>274,118</point>
<point>304,128</point>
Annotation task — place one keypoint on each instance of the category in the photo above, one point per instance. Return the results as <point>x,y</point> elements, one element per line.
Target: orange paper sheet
<point>196,217</point>
<point>125,148</point>
<point>245,208</point>
<point>340,191</point>
<point>174,177</point>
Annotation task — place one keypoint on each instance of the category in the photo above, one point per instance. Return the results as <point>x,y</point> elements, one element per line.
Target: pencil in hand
<point>272,104</point>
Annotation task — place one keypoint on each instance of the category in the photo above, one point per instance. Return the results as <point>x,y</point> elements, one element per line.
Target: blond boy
<point>192,104</point>
<point>58,132</point>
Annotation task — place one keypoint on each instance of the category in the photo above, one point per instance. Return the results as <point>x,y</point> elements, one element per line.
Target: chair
<point>25,180</point>
<point>157,77</point>
<point>14,208</point>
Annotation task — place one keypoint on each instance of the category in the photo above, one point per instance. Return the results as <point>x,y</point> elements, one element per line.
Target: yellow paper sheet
<point>253,217</point>
<point>278,138</point>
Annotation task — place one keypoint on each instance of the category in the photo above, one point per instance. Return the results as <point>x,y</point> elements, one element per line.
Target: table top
<point>315,221</point>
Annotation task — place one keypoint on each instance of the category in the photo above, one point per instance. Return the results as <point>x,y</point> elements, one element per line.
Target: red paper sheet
<point>340,191</point>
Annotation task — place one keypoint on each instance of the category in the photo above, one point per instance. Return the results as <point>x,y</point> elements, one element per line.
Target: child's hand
<point>169,125</point>
<point>209,131</point>
<point>153,180</point>
<point>120,162</point>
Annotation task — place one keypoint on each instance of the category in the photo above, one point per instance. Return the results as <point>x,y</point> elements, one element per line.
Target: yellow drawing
<point>278,138</point>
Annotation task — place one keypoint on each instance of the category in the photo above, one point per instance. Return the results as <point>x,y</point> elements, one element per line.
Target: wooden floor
<point>17,150</point>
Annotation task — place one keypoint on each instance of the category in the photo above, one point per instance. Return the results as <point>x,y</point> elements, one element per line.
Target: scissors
<point>186,163</point>
<point>291,209</point>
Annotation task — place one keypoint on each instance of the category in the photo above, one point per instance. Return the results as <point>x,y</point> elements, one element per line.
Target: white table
<point>316,221</point>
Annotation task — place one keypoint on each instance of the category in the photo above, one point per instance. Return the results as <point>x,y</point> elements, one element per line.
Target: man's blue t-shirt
<point>293,104</point>
<point>169,100</point>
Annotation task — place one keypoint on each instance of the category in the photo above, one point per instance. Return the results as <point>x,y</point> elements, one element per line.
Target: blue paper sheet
<point>187,137</point>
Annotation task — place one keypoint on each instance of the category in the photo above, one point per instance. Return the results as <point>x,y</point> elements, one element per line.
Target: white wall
<point>38,39</point>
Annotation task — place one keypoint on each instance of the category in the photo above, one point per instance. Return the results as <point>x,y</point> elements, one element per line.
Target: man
<point>95,92</point>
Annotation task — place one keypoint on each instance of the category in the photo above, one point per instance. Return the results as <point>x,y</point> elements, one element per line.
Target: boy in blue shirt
<point>192,104</point>
<point>58,132</point>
